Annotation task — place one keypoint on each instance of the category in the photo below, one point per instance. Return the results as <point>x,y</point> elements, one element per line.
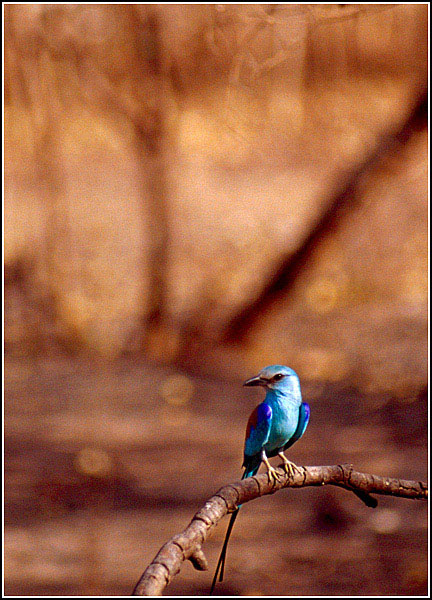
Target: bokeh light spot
<point>385,521</point>
<point>177,389</point>
<point>322,295</point>
<point>324,364</point>
<point>94,462</point>
<point>415,286</point>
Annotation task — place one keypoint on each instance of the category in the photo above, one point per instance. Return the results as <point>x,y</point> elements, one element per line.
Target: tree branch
<point>188,544</point>
<point>336,207</point>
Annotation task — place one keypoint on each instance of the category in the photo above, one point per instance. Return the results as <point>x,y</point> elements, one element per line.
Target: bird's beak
<point>255,381</point>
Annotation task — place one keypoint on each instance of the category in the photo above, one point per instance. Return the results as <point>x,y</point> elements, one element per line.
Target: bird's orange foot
<point>290,468</point>
<point>273,475</point>
<point>271,472</point>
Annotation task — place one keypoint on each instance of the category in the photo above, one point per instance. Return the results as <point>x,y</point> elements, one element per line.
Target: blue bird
<point>275,425</point>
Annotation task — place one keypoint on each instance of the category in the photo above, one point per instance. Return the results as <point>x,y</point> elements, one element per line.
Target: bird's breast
<point>284,424</point>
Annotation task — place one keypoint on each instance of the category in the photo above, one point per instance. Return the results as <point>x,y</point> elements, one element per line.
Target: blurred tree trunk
<point>147,114</point>
<point>151,146</point>
<point>134,88</point>
<point>34,85</point>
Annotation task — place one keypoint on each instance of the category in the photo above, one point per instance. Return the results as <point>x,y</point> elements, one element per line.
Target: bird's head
<point>276,377</point>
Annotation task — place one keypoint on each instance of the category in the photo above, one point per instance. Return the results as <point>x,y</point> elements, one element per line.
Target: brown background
<point>193,193</point>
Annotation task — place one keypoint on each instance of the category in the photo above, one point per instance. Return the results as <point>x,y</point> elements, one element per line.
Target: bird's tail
<point>221,562</point>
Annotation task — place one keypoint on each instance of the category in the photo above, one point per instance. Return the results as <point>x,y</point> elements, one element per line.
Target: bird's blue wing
<point>258,430</point>
<point>304,414</point>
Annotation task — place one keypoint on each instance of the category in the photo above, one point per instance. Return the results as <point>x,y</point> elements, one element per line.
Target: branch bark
<point>187,545</point>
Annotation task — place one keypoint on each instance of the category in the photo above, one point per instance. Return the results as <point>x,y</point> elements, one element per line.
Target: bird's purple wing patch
<point>261,413</point>
<point>258,429</point>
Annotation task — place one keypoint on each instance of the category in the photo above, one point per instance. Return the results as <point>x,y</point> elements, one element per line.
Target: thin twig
<point>188,544</point>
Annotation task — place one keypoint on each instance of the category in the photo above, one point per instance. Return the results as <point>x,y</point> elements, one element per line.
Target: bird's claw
<point>273,475</point>
<point>289,467</point>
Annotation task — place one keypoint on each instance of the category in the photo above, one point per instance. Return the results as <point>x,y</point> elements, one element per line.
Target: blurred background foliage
<point>193,192</point>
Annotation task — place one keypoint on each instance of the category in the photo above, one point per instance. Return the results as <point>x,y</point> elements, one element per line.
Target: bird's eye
<point>278,377</point>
